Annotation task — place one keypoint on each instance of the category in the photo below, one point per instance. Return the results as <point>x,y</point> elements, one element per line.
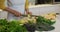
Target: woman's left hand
<point>29,13</point>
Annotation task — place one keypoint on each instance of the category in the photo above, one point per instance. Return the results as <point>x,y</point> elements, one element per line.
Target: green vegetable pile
<point>41,19</point>
<point>42,24</point>
<point>12,26</point>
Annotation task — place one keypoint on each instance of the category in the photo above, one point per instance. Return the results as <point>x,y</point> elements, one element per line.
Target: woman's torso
<point>19,6</point>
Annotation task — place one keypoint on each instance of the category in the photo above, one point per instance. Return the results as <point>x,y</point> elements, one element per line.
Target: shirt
<point>19,6</point>
<point>2,4</point>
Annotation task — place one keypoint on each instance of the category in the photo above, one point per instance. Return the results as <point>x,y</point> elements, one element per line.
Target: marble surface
<point>57,25</point>
<point>44,9</point>
<point>42,5</point>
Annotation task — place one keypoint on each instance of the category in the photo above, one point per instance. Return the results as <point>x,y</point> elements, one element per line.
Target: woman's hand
<point>29,13</point>
<point>14,12</point>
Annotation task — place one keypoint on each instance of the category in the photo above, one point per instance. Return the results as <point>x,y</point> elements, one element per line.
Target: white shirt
<point>19,6</point>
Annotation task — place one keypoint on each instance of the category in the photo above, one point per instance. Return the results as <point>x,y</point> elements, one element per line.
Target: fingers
<point>17,14</point>
<point>29,13</point>
<point>14,12</point>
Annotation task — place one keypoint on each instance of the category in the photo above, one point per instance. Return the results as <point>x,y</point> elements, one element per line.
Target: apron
<point>19,6</point>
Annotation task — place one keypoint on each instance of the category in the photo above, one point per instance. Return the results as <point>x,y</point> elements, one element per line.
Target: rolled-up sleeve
<point>2,4</point>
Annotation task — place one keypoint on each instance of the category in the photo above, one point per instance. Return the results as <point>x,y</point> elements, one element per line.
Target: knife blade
<point>30,15</point>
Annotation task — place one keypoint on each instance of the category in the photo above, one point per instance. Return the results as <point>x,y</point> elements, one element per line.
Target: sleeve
<point>26,4</point>
<point>2,4</point>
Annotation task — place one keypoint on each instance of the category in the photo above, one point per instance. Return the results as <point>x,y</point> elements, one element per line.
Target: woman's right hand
<point>13,11</point>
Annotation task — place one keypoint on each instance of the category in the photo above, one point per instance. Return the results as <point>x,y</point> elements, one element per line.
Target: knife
<point>30,15</point>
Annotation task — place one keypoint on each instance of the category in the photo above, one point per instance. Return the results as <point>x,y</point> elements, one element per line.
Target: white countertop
<point>44,9</point>
<point>56,25</point>
<point>42,5</point>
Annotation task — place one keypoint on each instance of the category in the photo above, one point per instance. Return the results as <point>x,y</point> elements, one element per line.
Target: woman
<point>15,7</point>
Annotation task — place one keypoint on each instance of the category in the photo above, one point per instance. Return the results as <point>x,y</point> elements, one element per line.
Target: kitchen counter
<point>48,8</point>
<point>57,25</point>
<point>42,5</point>
<point>44,9</point>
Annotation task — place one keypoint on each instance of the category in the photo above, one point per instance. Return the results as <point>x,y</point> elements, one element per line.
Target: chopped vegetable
<point>12,26</point>
<point>27,24</point>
